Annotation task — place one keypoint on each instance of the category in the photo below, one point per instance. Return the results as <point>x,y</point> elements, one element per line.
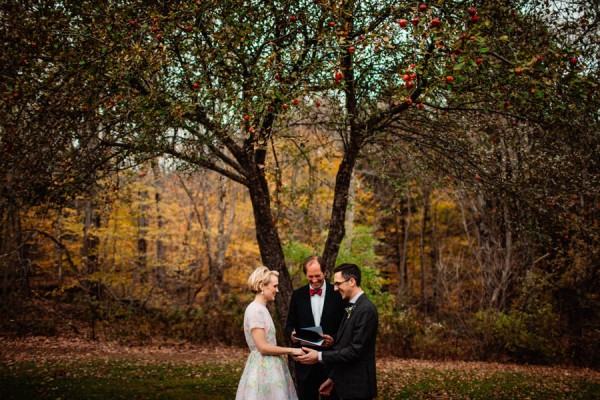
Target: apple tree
<point>222,84</point>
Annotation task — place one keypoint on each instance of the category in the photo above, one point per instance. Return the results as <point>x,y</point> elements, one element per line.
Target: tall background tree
<point>482,101</point>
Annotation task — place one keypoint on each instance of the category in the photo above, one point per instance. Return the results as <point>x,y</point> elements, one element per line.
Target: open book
<point>310,335</point>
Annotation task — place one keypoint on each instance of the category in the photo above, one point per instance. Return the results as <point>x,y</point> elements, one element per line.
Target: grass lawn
<point>40,368</point>
<point>118,379</point>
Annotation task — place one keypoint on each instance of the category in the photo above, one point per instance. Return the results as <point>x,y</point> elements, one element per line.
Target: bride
<point>266,375</point>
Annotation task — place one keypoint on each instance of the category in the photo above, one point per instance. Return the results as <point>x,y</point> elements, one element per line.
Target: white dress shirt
<point>316,304</point>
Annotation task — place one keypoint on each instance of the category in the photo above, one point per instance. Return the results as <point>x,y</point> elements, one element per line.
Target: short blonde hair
<point>260,275</point>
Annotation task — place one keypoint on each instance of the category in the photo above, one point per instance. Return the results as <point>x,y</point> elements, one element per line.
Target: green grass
<point>458,384</point>
<point>131,379</point>
<point>118,380</point>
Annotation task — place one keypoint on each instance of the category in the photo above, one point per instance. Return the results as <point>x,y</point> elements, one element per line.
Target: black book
<point>310,335</point>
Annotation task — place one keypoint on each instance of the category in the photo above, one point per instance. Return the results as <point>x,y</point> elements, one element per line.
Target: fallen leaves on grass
<point>59,358</point>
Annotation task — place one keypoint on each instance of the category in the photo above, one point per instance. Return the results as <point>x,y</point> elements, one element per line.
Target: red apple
<point>246,117</point>
<point>475,18</point>
<point>296,102</point>
<point>415,21</point>
<point>449,79</point>
<point>155,29</point>
<point>409,101</point>
<point>422,7</point>
<point>413,76</point>
<point>292,18</point>
<point>478,177</point>
<point>318,103</point>
<point>507,103</point>
<point>188,28</point>
<point>573,61</point>
<point>436,23</point>
<point>338,76</point>
<point>196,85</point>
<point>479,60</point>
<point>420,105</point>
<point>351,49</point>
<point>277,76</point>
<point>331,24</point>
<point>472,11</point>
<point>518,71</point>
<point>131,22</point>
<point>406,78</point>
<point>410,84</point>
<point>285,106</point>
<point>403,23</point>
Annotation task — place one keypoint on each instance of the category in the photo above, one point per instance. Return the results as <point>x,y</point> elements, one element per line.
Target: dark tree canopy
<point>87,88</point>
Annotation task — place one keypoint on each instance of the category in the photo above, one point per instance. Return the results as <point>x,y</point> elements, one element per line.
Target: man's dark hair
<point>349,271</point>
<point>314,258</point>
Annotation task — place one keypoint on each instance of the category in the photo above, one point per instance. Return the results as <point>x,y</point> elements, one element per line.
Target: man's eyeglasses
<point>337,284</point>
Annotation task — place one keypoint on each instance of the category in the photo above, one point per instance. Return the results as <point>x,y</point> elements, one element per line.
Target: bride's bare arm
<point>266,349</point>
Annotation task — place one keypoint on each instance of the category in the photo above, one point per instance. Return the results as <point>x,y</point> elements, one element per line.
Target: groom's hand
<point>326,387</point>
<point>311,356</point>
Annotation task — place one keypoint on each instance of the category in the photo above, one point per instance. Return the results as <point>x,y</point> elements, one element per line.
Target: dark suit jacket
<point>353,355</point>
<point>300,316</point>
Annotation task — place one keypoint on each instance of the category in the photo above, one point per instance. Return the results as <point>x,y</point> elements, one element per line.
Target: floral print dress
<point>264,377</point>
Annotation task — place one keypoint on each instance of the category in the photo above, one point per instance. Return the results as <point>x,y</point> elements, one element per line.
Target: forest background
<point>154,153</point>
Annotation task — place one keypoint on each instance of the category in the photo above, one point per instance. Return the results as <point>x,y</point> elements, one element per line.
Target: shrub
<point>526,336</point>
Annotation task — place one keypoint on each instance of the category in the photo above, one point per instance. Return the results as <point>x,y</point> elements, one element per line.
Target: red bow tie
<point>315,291</point>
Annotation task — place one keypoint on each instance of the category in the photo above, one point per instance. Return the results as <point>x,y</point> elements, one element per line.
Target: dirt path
<point>43,350</point>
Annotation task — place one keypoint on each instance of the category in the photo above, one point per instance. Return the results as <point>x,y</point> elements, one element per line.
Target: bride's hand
<point>297,352</point>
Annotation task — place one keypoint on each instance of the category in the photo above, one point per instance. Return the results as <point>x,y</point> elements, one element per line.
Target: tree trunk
<point>350,216</point>
<point>14,260</point>
<point>405,222</point>
<point>89,255</point>
<point>142,242</point>
<point>337,223</point>
<point>159,268</point>
<point>424,227</point>
<point>218,250</point>
<point>435,262</point>
<point>225,227</point>
<point>268,241</point>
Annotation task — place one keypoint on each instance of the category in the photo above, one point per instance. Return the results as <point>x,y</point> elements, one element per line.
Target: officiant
<point>313,305</point>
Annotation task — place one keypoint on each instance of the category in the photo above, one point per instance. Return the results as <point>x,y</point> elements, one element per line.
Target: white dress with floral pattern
<point>264,377</point>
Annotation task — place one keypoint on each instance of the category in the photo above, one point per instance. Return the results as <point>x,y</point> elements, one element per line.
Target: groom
<point>352,358</point>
